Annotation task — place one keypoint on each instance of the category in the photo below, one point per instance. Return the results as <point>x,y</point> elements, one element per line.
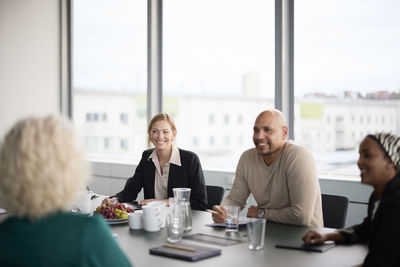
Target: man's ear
<point>285,131</point>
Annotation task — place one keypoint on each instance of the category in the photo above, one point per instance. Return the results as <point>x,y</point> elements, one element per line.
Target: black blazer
<point>189,174</point>
<point>383,231</point>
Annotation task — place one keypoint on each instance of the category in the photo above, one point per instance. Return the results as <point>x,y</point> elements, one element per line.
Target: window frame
<point>284,33</point>
<point>284,62</point>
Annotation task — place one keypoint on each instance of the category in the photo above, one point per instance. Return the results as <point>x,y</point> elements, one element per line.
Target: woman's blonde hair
<point>43,167</point>
<point>160,117</point>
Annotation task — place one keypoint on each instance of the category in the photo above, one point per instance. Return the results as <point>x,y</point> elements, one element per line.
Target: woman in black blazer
<point>165,167</point>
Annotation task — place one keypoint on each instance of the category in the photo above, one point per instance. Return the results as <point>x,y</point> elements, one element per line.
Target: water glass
<point>231,218</point>
<point>175,223</point>
<point>256,234</point>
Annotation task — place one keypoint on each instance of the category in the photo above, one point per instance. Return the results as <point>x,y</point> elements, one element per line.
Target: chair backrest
<point>215,194</point>
<point>334,210</point>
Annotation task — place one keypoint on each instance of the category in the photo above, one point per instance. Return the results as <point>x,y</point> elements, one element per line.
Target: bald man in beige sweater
<point>280,174</point>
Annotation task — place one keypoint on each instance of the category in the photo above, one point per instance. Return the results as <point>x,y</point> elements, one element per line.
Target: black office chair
<point>334,210</point>
<point>215,194</point>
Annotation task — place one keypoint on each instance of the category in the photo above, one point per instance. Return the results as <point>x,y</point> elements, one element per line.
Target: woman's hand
<point>107,201</point>
<point>314,238</point>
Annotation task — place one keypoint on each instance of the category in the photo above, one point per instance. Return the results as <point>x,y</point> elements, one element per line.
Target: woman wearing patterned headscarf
<point>379,164</point>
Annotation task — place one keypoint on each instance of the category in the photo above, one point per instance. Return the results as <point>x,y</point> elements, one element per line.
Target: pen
<point>179,247</point>
<point>217,213</point>
<point>212,211</point>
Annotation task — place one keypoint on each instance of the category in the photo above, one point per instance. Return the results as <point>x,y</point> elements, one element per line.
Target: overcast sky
<point>210,44</point>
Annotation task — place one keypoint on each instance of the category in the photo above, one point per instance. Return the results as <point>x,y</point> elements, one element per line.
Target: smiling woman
<point>376,165</point>
<point>165,167</point>
<point>379,164</point>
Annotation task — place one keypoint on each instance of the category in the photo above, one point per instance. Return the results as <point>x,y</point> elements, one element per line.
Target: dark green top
<point>61,239</point>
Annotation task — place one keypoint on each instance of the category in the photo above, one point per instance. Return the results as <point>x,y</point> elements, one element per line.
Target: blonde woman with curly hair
<point>42,170</point>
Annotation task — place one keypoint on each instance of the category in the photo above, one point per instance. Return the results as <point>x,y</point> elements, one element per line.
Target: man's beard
<point>270,152</point>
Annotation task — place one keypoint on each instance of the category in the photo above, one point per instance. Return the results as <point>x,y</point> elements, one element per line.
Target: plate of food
<point>116,221</point>
<point>113,213</point>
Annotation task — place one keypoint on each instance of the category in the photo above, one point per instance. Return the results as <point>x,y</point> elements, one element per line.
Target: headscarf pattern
<point>390,143</point>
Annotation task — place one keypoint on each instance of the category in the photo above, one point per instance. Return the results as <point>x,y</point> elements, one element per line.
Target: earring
<point>388,166</point>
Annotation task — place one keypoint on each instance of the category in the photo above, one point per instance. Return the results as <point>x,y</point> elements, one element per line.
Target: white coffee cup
<point>154,209</point>
<point>163,210</point>
<point>85,205</point>
<point>157,203</point>
<point>152,223</point>
<point>135,220</point>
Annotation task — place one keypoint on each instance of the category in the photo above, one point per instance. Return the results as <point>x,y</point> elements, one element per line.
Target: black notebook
<point>199,252</point>
<point>298,244</point>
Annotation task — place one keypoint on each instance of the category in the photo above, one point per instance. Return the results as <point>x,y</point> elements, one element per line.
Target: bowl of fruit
<point>114,213</point>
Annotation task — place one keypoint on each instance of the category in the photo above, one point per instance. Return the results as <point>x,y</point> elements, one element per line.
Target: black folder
<point>299,245</point>
<point>199,253</point>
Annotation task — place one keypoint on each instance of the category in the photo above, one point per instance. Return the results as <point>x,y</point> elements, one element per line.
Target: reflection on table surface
<point>136,244</point>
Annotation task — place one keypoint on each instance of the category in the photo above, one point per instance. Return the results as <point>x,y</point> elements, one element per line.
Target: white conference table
<point>136,245</point>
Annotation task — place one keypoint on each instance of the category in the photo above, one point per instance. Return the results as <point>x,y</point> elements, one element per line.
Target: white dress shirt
<point>161,180</point>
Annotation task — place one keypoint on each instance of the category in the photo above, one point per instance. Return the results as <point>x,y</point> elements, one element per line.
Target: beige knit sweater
<point>288,190</point>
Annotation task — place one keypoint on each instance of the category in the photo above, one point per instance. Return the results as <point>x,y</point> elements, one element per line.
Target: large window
<point>110,75</point>
<point>218,74</point>
<point>346,77</point>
